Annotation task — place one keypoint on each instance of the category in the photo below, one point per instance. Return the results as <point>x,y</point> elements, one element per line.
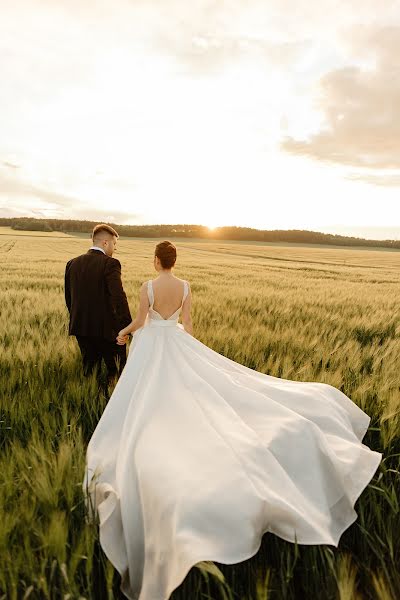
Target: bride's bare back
<point>165,295</point>
<point>168,293</point>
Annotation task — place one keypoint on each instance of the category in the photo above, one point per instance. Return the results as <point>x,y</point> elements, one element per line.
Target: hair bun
<point>166,252</point>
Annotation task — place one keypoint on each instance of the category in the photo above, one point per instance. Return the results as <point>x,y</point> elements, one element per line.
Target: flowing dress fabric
<point>196,456</point>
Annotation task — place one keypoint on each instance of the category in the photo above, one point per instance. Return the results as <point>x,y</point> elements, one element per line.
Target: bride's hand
<point>121,339</point>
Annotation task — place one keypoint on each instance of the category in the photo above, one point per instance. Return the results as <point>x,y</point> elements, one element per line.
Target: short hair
<point>166,252</point>
<point>103,227</point>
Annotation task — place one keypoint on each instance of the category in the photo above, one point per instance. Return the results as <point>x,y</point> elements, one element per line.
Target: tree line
<point>196,231</point>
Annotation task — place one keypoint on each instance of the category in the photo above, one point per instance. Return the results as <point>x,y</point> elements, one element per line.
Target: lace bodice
<point>153,314</point>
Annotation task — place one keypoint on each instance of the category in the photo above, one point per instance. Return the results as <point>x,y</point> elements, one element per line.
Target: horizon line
<point>212,229</point>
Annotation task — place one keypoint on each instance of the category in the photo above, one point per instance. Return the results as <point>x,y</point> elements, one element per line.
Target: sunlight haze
<point>274,116</point>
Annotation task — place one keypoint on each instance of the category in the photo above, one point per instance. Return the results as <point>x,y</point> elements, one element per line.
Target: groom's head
<point>104,236</point>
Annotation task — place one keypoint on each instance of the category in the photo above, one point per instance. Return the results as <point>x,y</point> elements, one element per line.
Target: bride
<point>195,456</point>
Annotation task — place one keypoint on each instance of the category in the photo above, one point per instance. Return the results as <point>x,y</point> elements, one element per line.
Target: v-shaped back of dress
<point>153,314</point>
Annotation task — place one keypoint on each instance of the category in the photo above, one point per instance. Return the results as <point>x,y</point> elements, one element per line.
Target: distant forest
<point>196,231</point>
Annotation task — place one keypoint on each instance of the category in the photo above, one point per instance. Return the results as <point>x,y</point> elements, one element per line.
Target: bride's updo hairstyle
<point>166,252</point>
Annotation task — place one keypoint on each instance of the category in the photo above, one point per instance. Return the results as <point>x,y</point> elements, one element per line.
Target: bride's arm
<point>141,315</point>
<point>185,315</point>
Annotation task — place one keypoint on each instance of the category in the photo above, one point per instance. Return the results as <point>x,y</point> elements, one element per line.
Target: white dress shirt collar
<point>97,248</point>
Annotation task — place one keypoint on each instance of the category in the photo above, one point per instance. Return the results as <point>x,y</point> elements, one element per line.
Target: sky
<point>271,114</point>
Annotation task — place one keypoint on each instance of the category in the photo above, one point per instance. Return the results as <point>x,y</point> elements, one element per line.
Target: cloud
<point>39,201</point>
<point>207,54</point>
<point>379,180</point>
<point>9,213</point>
<point>208,35</point>
<point>11,188</point>
<point>361,105</point>
<point>17,188</point>
<point>80,213</point>
<point>90,213</point>
<point>10,165</point>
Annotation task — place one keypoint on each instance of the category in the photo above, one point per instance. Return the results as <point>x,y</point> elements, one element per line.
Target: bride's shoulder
<point>145,286</point>
<point>187,292</point>
<point>184,281</point>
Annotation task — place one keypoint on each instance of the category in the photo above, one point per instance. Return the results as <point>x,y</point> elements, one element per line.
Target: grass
<point>297,312</point>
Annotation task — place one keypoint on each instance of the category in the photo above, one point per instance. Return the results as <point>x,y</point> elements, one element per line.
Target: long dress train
<point>195,457</point>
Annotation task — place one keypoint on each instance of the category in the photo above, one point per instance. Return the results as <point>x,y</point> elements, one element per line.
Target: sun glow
<point>194,134</point>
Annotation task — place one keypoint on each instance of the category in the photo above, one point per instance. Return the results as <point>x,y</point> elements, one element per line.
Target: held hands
<point>122,338</point>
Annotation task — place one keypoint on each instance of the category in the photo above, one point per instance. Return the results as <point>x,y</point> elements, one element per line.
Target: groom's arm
<point>116,291</point>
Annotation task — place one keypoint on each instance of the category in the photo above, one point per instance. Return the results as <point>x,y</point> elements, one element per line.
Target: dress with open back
<point>196,456</point>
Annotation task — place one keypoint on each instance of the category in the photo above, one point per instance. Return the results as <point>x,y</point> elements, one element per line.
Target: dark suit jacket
<point>94,295</point>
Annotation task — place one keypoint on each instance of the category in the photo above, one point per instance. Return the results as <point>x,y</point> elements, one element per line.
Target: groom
<point>97,304</point>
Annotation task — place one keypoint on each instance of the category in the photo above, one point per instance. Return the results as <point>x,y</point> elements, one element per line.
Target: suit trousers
<point>96,349</point>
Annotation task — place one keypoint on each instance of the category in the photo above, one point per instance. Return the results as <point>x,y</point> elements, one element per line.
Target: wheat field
<point>307,313</point>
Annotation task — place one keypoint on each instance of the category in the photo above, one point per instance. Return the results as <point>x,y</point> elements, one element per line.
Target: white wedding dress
<point>196,456</point>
